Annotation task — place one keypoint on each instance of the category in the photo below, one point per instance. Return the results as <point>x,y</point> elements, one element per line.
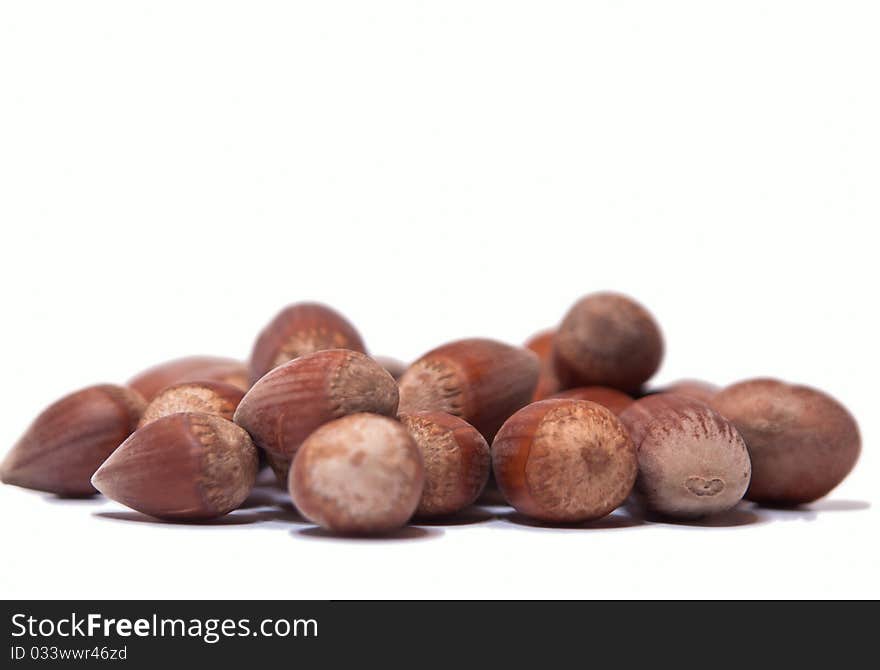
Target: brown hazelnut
<point>615,400</point>
<point>359,474</point>
<point>482,381</point>
<point>291,401</point>
<point>300,329</point>
<point>548,382</point>
<point>564,461</point>
<point>607,339</point>
<point>192,368</point>
<point>187,466</point>
<point>456,459</point>
<point>394,367</point>
<point>207,397</point>
<point>66,443</point>
<point>802,442</point>
<point>692,388</point>
<point>692,461</point>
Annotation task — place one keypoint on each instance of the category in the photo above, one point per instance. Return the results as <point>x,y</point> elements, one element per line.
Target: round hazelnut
<point>615,400</point>
<point>482,381</point>
<point>607,339</point>
<point>693,388</point>
<point>548,382</point>
<point>291,401</point>
<point>456,459</point>
<point>300,329</point>
<point>206,397</point>
<point>66,443</point>
<point>802,442</point>
<point>359,474</point>
<point>692,461</point>
<point>564,461</point>
<point>394,367</point>
<point>187,466</point>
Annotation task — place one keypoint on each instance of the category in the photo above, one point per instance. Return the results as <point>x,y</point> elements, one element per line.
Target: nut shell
<point>548,382</point>
<point>192,368</point>
<point>69,440</point>
<point>187,466</point>
<point>293,400</point>
<point>456,460</point>
<point>692,461</point>
<point>693,388</point>
<point>206,397</point>
<point>616,401</point>
<point>564,461</point>
<point>298,330</point>
<point>802,442</point>
<point>481,381</point>
<point>607,339</point>
<point>359,474</point>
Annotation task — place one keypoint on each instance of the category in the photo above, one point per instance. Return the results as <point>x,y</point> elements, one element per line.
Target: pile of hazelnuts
<point>366,444</point>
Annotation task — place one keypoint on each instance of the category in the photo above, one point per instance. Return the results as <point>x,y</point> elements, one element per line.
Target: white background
<point>172,173</point>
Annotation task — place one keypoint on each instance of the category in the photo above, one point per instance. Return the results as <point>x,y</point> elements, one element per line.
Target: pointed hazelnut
<point>300,329</point>
<point>607,339</point>
<point>181,467</point>
<point>291,401</point>
<point>361,474</point>
<point>192,368</point>
<point>564,461</point>
<point>482,381</point>
<point>66,443</point>
<point>216,398</point>
<point>692,461</point>
<point>456,459</point>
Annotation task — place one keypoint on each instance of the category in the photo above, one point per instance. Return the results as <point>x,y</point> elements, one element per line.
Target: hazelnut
<point>193,368</point>
<point>607,339</point>
<point>615,400</point>
<point>183,467</point>
<point>456,459</point>
<point>66,443</point>
<point>692,388</point>
<point>207,397</point>
<point>394,367</point>
<point>564,461</point>
<point>359,474</point>
<point>301,329</point>
<point>548,382</point>
<point>692,461</point>
<point>291,401</point>
<point>802,442</point>
<point>482,381</point>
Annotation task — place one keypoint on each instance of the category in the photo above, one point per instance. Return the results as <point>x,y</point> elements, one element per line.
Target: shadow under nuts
<point>692,461</point>
<point>480,380</point>
<point>206,397</point>
<point>192,368</point>
<point>300,329</point>
<point>802,442</point>
<point>181,467</point>
<point>291,401</point>
<point>67,442</point>
<point>607,339</point>
<point>456,459</point>
<point>361,474</point>
<point>564,461</point>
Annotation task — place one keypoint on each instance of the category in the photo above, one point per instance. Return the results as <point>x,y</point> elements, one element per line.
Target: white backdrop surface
<point>172,173</point>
